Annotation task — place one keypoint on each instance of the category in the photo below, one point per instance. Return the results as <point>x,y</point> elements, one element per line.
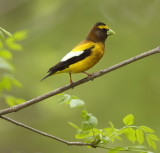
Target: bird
<point>85,55</point>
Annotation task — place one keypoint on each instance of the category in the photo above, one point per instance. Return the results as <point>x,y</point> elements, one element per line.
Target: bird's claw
<point>89,75</point>
<point>71,84</point>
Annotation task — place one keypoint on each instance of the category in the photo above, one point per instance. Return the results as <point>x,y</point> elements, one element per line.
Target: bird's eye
<point>104,30</point>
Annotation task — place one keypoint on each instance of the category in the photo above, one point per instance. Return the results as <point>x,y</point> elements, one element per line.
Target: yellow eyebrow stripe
<point>103,27</point>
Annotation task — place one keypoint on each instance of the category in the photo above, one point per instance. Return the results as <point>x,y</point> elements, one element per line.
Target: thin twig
<point>64,88</point>
<point>45,134</point>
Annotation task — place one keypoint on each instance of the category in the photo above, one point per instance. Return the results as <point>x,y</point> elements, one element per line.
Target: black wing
<point>65,64</point>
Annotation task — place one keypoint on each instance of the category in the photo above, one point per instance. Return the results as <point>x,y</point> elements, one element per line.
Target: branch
<point>46,134</point>
<point>77,83</point>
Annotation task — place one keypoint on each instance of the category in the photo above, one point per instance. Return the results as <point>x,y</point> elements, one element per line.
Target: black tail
<point>54,69</point>
<point>46,76</point>
<point>51,72</point>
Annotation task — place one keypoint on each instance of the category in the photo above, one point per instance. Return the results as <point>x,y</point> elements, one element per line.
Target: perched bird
<point>86,54</point>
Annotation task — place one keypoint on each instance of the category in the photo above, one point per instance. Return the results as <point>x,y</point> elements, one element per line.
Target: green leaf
<point>109,131</point>
<point>84,114</point>
<point>16,82</point>
<point>11,100</point>
<point>151,142</point>
<point>105,140</point>
<point>147,129</point>
<point>20,35</point>
<point>19,100</point>
<point>8,80</point>
<point>85,126</point>
<point>5,65</point>
<point>130,133</point>
<point>99,131</point>
<point>128,120</point>
<point>76,103</point>
<point>89,124</point>
<point>5,54</point>
<point>73,125</point>
<point>139,136</point>
<point>65,99</point>
<point>121,148</point>
<point>84,134</point>
<point>118,138</point>
<point>93,121</point>
<point>111,124</point>
<point>6,83</point>
<point>6,32</point>
<point>10,42</point>
<point>153,137</point>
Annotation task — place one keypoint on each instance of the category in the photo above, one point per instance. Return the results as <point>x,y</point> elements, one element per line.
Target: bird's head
<point>99,32</point>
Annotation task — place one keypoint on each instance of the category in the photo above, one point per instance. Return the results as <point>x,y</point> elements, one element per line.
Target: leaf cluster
<point>9,43</point>
<point>89,133</point>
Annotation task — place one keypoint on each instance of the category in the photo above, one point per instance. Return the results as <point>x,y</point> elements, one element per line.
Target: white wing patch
<point>71,54</point>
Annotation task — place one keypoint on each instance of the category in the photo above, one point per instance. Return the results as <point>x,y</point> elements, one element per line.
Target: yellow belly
<point>85,64</point>
<point>88,62</point>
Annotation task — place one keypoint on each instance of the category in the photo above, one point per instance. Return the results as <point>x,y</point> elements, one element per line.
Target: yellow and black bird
<point>86,54</point>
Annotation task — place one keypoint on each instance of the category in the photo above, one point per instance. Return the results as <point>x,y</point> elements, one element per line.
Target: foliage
<point>89,133</point>
<point>7,80</point>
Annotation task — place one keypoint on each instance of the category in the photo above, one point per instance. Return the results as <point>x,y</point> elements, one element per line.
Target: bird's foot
<point>89,75</point>
<point>71,84</point>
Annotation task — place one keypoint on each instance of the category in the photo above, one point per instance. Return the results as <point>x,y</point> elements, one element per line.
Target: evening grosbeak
<point>86,54</point>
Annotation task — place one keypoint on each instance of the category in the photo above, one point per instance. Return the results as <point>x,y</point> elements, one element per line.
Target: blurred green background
<point>55,27</point>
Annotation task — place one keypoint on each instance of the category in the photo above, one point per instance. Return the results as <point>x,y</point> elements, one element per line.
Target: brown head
<point>99,32</point>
